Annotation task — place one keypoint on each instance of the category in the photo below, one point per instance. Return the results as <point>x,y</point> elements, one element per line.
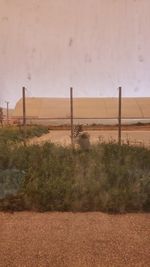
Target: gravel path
<point>74,239</point>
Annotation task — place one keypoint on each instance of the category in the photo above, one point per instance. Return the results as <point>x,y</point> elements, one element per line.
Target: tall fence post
<point>71,116</point>
<point>1,116</point>
<point>7,115</point>
<point>24,112</point>
<point>24,105</point>
<point>119,115</point>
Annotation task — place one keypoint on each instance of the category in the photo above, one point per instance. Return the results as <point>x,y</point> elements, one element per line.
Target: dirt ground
<point>74,240</point>
<point>138,137</point>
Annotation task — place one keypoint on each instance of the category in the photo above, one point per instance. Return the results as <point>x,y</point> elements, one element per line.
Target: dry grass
<point>74,240</point>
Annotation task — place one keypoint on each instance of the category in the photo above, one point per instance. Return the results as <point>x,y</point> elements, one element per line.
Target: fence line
<point>24,119</point>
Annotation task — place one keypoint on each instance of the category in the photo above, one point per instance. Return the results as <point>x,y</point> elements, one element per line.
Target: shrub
<point>16,134</point>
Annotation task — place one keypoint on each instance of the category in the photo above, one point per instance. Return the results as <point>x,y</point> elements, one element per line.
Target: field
<point>47,175</point>
<point>137,137</point>
<point>50,177</point>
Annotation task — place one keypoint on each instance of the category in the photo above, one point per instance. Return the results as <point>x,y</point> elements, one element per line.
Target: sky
<point>92,45</point>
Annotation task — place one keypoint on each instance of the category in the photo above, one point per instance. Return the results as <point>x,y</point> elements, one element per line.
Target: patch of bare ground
<point>62,137</point>
<point>74,240</point>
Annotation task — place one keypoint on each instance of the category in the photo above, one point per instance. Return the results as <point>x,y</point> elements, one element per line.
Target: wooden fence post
<point>71,116</point>
<point>119,115</point>
<point>24,112</point>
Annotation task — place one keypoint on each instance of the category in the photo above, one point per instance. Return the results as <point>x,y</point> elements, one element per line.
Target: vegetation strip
<point>16,133</point>
<point>105,177</point>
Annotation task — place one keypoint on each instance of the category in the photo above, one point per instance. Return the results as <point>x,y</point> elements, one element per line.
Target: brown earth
<point>74,240</point>
<point>138,137</point>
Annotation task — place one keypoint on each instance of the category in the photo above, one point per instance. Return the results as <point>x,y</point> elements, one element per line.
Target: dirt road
<point>63,137</point>
<point>74,240</point>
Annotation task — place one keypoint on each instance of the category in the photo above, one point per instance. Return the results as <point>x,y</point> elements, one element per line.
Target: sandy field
<point>138,137</point>
<point>74,240</point>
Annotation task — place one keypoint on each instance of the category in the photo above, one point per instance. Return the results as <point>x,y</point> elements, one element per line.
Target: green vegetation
<point>106,177</point>
<point>16,134</point>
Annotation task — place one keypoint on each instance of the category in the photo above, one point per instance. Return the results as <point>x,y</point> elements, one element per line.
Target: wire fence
<point>90,122</point>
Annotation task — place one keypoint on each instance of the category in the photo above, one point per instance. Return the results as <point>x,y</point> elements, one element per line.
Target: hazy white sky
<point>92,45</point>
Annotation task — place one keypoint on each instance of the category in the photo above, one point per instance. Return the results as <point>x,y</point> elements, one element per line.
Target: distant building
<point>86,110</point>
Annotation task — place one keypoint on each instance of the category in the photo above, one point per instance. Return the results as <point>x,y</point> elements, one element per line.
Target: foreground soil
<point>74,239</point>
